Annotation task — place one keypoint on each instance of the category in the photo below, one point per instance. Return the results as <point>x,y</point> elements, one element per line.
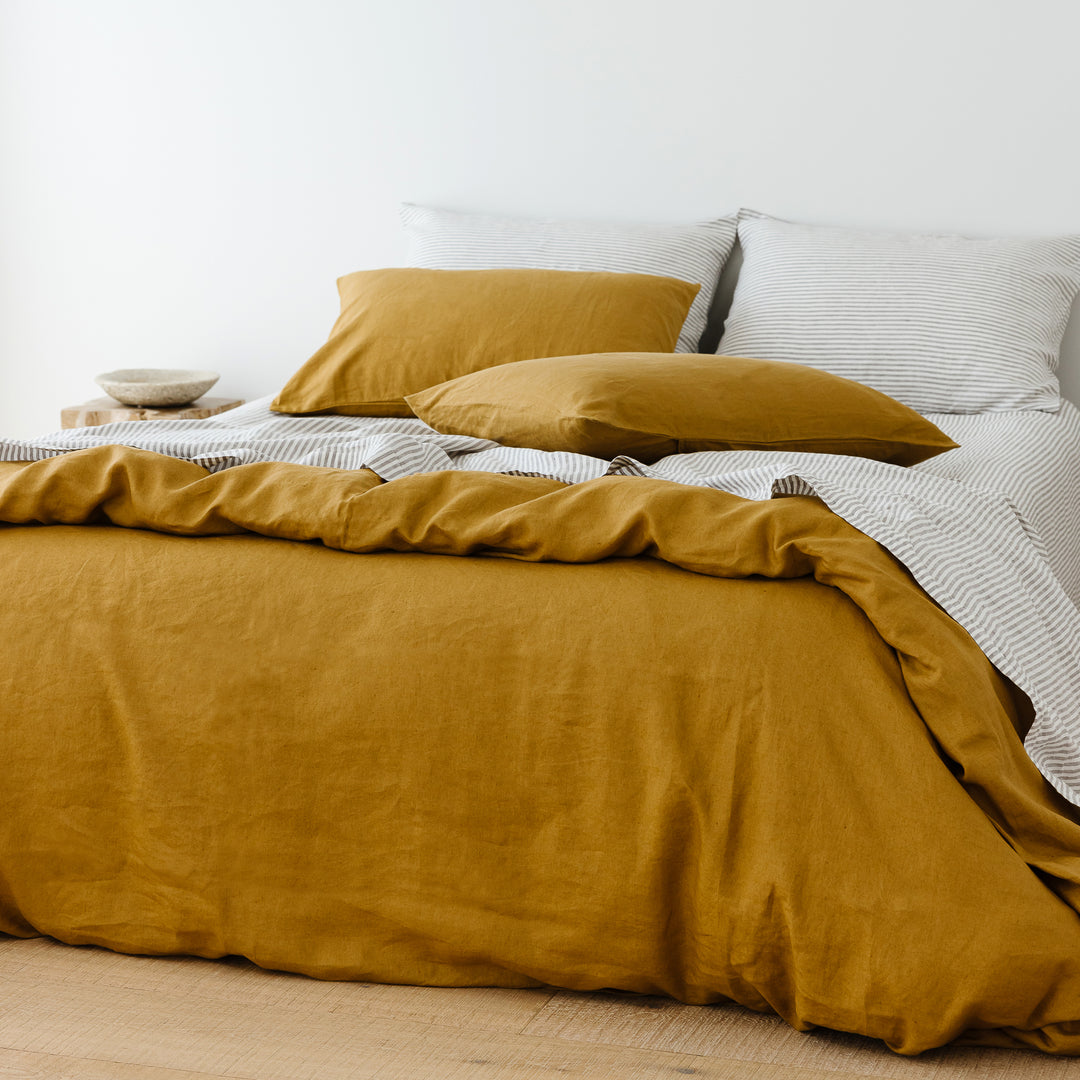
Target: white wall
<point>182,180</point>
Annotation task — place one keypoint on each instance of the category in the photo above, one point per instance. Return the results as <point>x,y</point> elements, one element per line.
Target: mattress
<point>351,698</point>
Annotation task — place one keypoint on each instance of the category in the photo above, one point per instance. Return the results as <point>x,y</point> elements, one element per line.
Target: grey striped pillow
<point>942,323</point>
<point>447,240</point>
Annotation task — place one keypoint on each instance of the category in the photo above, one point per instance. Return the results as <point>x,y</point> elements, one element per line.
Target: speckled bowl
<point>156,386</point>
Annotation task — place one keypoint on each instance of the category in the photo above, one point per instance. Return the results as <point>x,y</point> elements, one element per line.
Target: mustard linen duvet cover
<point>784,777</point>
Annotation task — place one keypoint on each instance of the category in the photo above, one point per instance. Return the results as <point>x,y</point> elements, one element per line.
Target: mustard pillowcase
<point>648,405</point>
<point>402,330</point>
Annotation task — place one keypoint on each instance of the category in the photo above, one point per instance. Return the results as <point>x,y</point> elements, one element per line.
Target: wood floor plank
<point>175,1031</point>
<point>733,1032</point>
<point>238,980</point>
<point>87,1014</point>
<point>455,1055</point>
<point>21,1065</point>
<point>480,1008</point>
<point>65,1021</point>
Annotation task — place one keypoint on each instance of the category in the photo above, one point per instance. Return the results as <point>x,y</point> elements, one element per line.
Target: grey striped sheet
<point>1033,460</point>
<point>988,530</point>
<point>941,323</point>
<point>445,240</point>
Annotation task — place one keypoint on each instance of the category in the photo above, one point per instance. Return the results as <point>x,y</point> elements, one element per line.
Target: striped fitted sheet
<point>989,530</point>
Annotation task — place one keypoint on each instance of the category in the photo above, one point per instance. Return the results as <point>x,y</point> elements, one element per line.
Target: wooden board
<point>87,1014</point>
<point>107,411</point>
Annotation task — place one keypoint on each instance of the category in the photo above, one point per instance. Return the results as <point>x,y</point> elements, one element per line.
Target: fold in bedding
<point>787,778</point>
<point>1030,458</point>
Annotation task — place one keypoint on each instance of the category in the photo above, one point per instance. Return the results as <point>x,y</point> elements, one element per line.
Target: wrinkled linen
<point>1031,458</point>
<point>989,529</point>
<point>787,778</point>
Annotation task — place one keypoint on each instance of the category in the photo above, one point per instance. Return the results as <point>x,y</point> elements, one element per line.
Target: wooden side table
<point>105,410</point>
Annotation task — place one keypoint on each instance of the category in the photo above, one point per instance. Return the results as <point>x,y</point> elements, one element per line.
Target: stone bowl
<point>159,387</point>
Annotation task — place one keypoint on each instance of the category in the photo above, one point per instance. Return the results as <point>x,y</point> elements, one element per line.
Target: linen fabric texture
<point>731,786</point>
<point>402,330</point>
<point>649,405</point>
<point>1029,459</point>
<point>461,241</point>
<point>942,323</point>
<point>988,529</point>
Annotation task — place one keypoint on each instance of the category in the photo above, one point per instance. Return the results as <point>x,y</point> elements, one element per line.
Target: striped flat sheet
<point>989,530</point>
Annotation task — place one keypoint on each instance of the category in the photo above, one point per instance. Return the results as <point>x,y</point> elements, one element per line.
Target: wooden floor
<point>87,1014</point>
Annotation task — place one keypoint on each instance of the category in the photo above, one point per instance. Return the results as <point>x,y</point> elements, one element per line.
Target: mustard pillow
<point>402,330</point>
<point>648,405</point>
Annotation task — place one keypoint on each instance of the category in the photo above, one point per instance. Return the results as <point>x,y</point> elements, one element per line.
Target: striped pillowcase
<point>446,240</point>
<point>942,323</point>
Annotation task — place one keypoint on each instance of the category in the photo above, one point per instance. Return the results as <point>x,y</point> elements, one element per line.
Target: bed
<point>356,697</point>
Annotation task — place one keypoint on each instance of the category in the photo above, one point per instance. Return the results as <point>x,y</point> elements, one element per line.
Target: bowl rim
<point>156,376</point>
